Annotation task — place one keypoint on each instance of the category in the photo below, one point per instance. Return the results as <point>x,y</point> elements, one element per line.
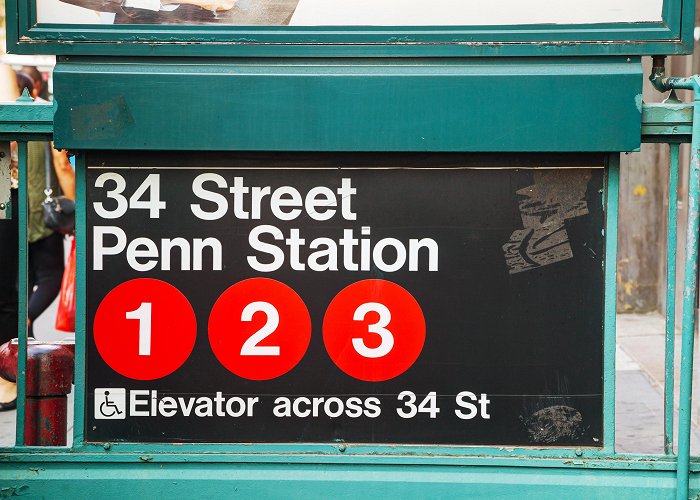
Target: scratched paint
<point>554,423</point>
<point>555,196</point>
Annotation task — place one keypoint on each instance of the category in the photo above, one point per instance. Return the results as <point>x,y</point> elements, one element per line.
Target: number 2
<point>250,347</point>
<point>386,336</point>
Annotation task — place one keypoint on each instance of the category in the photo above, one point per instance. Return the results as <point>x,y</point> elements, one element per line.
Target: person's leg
<point>31,281</point>
<point>46,260</point>
<point>9,250</point>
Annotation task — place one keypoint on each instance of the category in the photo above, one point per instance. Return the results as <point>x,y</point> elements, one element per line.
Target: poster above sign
<point>348,12</point>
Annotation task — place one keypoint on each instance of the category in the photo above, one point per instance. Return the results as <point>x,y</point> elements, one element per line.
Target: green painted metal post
<point>609,342</point>
<point>690,284</point>
<point>80,290</point>
<point>22,290</point>
<point>689,289</point>
<point>670,298</point>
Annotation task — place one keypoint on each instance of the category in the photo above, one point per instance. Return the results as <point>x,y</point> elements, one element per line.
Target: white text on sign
<point>272,248</point>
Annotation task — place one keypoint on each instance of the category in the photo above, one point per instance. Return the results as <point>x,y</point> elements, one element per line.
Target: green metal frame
<point>323,470</point>
<point>674,35</point>
<point>416,105</point>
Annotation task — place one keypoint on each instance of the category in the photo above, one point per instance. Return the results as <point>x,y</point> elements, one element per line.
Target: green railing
<point>326,470</point>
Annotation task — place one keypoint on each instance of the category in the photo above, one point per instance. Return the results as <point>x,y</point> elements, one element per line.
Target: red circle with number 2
<point>259,329</point>
<point>374,330</point>
<point>145,329</point>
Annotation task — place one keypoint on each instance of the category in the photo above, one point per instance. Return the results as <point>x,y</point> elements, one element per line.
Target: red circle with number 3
<point>259,329</point>
<point>374,330</point>
<point>145,329</point>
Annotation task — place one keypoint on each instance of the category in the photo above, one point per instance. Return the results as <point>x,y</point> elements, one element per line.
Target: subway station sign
<point>430,299</point>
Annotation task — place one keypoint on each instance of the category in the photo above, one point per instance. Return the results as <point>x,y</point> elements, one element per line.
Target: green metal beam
<point>467,105</point>
<point>91,479</point>
<point>667,122</point>
<point>26,118</point>
<point>312,471</point>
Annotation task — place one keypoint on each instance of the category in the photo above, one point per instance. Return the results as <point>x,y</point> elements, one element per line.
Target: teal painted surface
<point>667,122</point>
<point>671,242</point>
<point>26,118</point>
<point>22,217</point>
<point>220,46</point>
<point>211,480</point>
<point>322,471</point>
<point>361,105</point>
<point>609,333</point>
<point>309,454</point>
<point>661,82</point>
<point>80,303</point>
<point>671,36</point>
<point>689,292</point>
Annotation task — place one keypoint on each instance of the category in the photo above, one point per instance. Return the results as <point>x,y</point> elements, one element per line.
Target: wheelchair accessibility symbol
<point>110,404</point>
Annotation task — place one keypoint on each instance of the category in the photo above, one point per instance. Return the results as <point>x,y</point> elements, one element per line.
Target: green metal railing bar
<point>667,122</point>
<point>26,120</point>
<point>670,122</point>
<point>689,291</point>
<point>21,292</point>
<point>671,242</point>
<point>80,312</point>
<point>663,83</point>
<point>610,318</point>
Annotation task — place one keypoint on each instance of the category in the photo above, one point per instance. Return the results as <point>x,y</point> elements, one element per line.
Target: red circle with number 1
<point>374,330</point>
<point>145,329</point>
<point>259,329</point>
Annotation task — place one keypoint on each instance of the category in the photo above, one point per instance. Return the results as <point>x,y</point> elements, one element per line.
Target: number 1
<point>143,314</point>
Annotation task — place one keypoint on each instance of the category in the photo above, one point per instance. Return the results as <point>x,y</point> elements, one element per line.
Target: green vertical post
<point>80,294</point>
<point>663,83</point>
<point>21,290</point>
<point>609,343</point>
<point>672,239</point>
<point>689,288</point>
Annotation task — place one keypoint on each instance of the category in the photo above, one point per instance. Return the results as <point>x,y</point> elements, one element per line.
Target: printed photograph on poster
<point>347,12</point>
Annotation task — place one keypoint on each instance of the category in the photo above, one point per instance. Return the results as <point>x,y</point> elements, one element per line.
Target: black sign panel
<point>433,299</point>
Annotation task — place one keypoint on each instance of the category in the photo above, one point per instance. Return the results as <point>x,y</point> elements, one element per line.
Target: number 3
<point>379,328</point>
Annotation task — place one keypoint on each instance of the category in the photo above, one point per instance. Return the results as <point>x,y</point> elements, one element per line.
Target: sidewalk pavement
<point>639,386</point>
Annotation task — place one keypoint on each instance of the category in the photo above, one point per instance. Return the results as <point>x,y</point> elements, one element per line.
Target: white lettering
<point>98,244</point>
<point>200,192</point>
<point>276,253</point>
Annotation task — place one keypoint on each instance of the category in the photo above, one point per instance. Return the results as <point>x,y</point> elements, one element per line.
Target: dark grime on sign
<point>399,299</point>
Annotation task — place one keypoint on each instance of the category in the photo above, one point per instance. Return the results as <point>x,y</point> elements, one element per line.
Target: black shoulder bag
<point>59,211</point>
